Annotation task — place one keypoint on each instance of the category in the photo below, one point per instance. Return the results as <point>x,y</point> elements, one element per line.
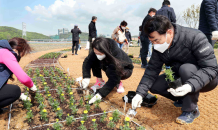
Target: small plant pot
<point>177,83</point>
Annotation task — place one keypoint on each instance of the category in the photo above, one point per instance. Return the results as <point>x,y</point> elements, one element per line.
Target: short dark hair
<point>94,17</point>
<point>157,23</point>
<point>166,2</point>
<point>152,10</point>
<point>123,23</point>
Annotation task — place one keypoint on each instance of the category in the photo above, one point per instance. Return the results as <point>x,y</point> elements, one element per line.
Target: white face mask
<point>123,28</point>
<point>152,15</point>
<point>162,47</point>
<point>101,57</point>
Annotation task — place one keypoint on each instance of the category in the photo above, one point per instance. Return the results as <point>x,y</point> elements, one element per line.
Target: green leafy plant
<point>126,126</point>
<point>116,115</point>
<point>29,115</point>
<point>55,105</point>
<point>85,115</point>
<point>111,124</point>
<point>81,101</point>
<point>39,98</point>
<point>82,127</point>
<point>169,75</point>
<point>89,97</point>
<point>59,113</point>
<point>70,119</point>
<point>74,109</point>
<point>41,106</point>
<point>57,125</point>
<point>27,104</point>
<point>62,97</point>
<point>103,117</point>
<point>140,128</point>
<point>72,100</point>
<point>44,114</point>
<point>96,103</point>
<point>87,106</point>
<point>94,124</point>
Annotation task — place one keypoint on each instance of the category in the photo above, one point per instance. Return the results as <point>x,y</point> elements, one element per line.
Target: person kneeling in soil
<point>192,59</point>
<point>114,61</point>
<point>9,65</point>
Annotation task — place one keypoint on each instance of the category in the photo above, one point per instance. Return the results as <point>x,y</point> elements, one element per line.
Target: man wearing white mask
<point>192,59</point>
<point>113,61</point>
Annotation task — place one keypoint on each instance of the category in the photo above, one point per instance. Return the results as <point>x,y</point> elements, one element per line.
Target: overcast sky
<point>47,16</point>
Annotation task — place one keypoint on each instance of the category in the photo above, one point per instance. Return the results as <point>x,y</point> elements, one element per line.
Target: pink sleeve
<point>10,61</point>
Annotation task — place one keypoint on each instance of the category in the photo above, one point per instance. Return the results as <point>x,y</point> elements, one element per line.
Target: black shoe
<point>144,66</point>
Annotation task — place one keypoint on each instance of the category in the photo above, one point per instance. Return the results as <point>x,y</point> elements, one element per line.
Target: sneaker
<point>72,53</point>
<point>98,84</point>
<point>178,103</point>
<point>188,117</point>
<point>76,54</point>
<point>120,88</point>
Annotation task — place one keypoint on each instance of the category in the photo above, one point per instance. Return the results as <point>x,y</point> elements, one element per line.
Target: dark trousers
<point>209,37</point>
<point>190,100</point>
<point>90,44</point>
<point>113,77</point>
<point>8,94</point>
<point>75,43</point>
<point>144,50</point>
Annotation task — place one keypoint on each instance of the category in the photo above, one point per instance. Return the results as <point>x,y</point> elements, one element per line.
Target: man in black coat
<point>192,59</point>
<point>75,38</point>
<point>208,22</point>
<point>167,11</point>
<point>144,39</point>
<point>92,32</point>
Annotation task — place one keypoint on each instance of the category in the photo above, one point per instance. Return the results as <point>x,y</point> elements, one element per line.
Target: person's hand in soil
<point>136,101</point>
<point>95,98</point>
<point>180,91</point>
<point>32,92</point>
<point>24,97</point>
<point>85,82</point>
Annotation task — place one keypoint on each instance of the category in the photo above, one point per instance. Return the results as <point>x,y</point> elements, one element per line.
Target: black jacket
<point>106,65</point>
<point>168,12</point>
<point>188,46</point>
<point>208,16</point>
<point>75,34</point>
<point>128,36</point>
<point>143,24</point>
<point>92,30</point>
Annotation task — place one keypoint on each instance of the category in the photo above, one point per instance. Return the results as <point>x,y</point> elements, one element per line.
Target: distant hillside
<point>10,32</point>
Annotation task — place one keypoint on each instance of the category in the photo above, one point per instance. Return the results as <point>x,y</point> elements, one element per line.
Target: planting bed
<point>60,104</point>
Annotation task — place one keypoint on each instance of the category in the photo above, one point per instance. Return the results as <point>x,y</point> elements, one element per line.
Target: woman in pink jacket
<point>9,65</point>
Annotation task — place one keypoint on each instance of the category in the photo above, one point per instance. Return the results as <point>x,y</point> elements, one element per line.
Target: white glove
<point>136,101</point>
<point>85,82</point>
<point>93,39</point>
<point>23,97</point>
<point>33,88</point>
<point>215,35</point>
<point>180,91</point>
<point>96,97</point>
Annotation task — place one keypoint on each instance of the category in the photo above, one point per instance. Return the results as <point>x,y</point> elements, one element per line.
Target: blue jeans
<point>149,50</point>
<point>120,45</point>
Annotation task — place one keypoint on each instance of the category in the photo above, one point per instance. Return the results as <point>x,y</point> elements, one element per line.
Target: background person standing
<point>75,32</point>
<point>92,32</point>
<point>208,22</point>
<point>129,39</point>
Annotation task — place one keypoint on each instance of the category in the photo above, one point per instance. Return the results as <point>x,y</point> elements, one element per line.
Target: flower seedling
<point>116,115</point>
<point>82,127</point>
<point>85,115</point>
<point>126,126</point>
<point>89,97</point>
<point>81,101</point>
<point>57,125</point>
<point>41,106</point>
<point>96,103</point>
<point>40,99</point>
<point>27,104</point>
<point>87,106</point>
<point>69,90</point>
<point>43,114</point>
<point>103,117</point>
<point>62,97</point>
<point>59,113</point>
<point>94,124</point>
<point>169,75</point>
<point>55,105</point>
<point>72,100</point>
<point>140,128</point>
<point>73,108</point>
<point>111,124</point>
<point>70,119</point>
<point>29,115</point>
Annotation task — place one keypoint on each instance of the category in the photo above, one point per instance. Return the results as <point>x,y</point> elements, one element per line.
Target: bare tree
<point>191,16</point>
<point>179,19</point>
